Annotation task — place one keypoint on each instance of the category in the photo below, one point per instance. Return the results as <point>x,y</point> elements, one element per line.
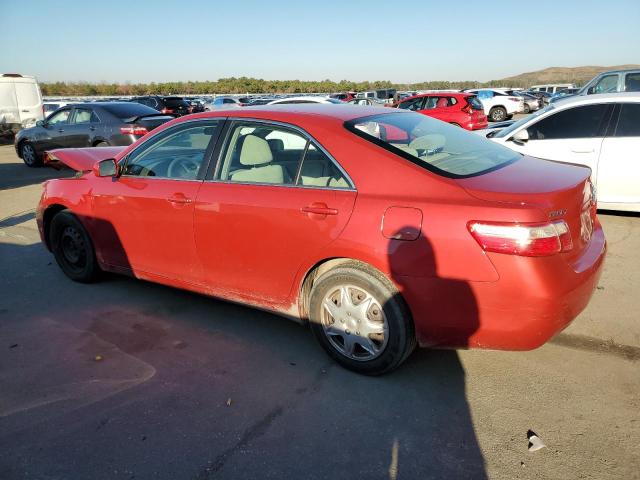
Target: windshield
<point>437,146</point>
<point>516,125</point>
<point>334,100</point>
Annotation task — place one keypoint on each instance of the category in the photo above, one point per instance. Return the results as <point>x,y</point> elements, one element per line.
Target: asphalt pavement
<point>126,379</point>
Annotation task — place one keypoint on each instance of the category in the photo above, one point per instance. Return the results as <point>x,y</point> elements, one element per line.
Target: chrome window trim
<point>124,160</point>
<point>304,133</point>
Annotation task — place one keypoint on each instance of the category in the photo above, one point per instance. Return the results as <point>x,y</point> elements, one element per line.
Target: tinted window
<point>128,110</point>
<point>173,102</point>
<point>434,145</point>
<point>629,121</point>
<point>578,122</point>
<point>632,82</point>
<point>413,104</point>
<point>177,153</point>
<point>228,100</point>
<point>258,153</point>
<point>94,118</point>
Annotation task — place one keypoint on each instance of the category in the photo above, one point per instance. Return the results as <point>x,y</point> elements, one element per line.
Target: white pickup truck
<point>20,103</point>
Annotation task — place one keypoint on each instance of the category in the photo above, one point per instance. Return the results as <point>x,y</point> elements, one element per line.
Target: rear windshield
<point>128,110</point>
<point>437,146</point>
<point>175,102</point>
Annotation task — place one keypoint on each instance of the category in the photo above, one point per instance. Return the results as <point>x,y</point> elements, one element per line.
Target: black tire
<point>497,114</point>
<point>400,336</point>
<point>72,248</point>
<point>29,155</point>
<point>102,144</point>
<point>527,109</point>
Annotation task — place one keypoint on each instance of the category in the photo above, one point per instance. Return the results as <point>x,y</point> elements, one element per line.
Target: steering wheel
<point>183,167</point>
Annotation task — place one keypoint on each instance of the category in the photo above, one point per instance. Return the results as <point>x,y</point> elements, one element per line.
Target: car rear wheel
<point>29,155</point>
<point>361,321</point>
<point>497,114</point>
<point>72,248</point>
<point>101,144</point>
<point>527,109</point>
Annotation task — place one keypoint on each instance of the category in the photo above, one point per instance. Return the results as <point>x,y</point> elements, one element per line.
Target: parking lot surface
<point>128,379</point>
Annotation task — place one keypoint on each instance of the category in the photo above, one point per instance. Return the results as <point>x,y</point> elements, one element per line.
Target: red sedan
<point>381,229</point>
<point>460,109</point>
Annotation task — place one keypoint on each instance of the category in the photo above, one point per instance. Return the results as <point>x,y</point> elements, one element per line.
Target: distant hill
<point>577,75</point>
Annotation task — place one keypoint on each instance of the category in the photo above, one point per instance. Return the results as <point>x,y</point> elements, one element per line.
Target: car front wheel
<point>360,320</point>
<point>72,248</point>
<point>29,155</point>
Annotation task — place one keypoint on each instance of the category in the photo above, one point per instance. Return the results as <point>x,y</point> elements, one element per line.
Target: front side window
<point>414,104</point>
<point>629,121</point>
<point>607,84</point>
<point>178,153</point>
<point>434,145</point>
<point>586,121</point>
<point>59,117</point>
<point>269,154</point>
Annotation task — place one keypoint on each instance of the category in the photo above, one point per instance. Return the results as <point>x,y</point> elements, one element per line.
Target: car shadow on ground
<point>148,381</point>
<point>17,174</point>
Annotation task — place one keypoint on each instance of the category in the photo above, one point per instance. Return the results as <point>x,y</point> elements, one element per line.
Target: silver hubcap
<point>498,115</point>
<point>28,154</point>
<point>354,323</point>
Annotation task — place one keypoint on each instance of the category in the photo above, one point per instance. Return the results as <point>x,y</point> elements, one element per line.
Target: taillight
<point>166,110</point>
<point>467,109</point>
<point>133,130</point>
<point>525,239</point>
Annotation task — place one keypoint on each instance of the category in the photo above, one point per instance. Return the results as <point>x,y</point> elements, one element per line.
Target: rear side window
<point>579,122</point>
<point>629,121</point>
<point>81,116</point>
<point>128,110</point>
<point>475,103</point>
<point>632,82</point>
<point>413,104</point>
<point>434,145</point>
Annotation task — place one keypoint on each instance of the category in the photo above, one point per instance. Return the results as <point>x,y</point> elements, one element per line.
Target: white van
<point>552,87</point>
<point>20,102</point>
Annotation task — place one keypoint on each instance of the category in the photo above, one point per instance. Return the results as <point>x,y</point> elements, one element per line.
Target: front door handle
<point>178,198</point>
<point>93,129</point>
<point>61,130</point>
<point>319,208</point>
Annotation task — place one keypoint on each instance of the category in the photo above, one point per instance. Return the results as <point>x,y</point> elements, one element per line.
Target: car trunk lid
<point>561,191</point>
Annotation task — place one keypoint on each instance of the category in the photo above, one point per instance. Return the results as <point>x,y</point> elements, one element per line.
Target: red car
<point>460,109</point>
<point>381,229</point>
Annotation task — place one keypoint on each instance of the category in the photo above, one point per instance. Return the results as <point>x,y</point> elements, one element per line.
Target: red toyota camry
<point>380,228</point>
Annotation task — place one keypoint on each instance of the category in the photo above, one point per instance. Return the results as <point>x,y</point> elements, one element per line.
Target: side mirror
<point>521,137</point>
<point>40,123</point>
<point>106,168</point>
<point>591,90</point>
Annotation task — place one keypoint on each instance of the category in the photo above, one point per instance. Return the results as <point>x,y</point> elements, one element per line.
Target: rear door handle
<point>61,130</point>
<point>92,129</point>
<point>582,151</point>
<point>319,208</point>
<point>25,111</point>
<point>178,198</point>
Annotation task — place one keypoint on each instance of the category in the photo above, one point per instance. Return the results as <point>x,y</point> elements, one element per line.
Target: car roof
<point>302,111</point>
<point>599,98</point>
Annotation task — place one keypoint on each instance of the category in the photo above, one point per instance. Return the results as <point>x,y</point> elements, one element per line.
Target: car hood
<point>80,159</point>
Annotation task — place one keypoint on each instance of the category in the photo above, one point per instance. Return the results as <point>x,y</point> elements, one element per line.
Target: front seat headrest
<point>255,151</point>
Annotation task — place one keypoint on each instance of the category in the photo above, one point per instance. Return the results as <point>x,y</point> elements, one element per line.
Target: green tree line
<point>244,85</point>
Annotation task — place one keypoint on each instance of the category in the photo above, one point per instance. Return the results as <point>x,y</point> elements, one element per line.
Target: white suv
<point>497,105</point>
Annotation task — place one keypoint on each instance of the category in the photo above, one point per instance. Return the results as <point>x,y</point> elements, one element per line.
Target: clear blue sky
<point>401,41</point>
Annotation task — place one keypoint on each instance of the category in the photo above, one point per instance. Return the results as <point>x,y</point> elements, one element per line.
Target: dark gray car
<point>98,124</point>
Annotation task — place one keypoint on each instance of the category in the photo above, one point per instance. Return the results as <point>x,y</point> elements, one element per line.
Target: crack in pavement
<point>261,427</point>
<point>591,344</point>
